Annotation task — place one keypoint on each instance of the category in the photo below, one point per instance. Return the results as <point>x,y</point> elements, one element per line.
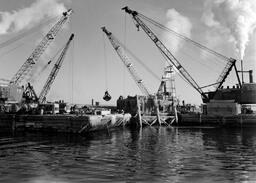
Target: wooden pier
<point>148,110</point>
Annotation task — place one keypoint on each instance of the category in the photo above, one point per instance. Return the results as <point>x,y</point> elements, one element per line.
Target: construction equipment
<point>39,50</point>
<point>107,96</point>
<point>168,73</point>
<point>227,69</point>
<point>126,61</point>
<point>54,72</point>
<point>29,94</point>
<point>143,102</point>
<point>31,103</point>
<point>172,59</point>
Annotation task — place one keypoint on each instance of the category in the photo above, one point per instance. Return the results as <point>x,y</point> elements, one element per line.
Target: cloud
<point>234,17</point>
<point>179,24</point>
<point>25,18</point>
<point>28,17</point>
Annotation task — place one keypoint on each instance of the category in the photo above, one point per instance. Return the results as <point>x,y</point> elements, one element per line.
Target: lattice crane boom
<point>231,62</point>
<point>39,50</point>
<point>170,57</point>
<point>54,72</point>
<point>126,61</point>
<point>224,74</point>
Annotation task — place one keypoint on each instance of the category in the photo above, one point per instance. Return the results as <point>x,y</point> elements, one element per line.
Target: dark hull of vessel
<point>61,123</point>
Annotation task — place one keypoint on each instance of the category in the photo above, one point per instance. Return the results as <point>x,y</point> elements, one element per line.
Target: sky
<point>86,73</point>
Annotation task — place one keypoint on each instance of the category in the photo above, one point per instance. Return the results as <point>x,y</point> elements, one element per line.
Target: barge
<point>240,120</point>
<point>68,123</point>
<point>230,107</point>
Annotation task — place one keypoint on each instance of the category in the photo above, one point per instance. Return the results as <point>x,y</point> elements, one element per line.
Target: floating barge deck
<point>89,123</point>
<point>144,112</point>
<point>61,123</point>
<point>241,120</point>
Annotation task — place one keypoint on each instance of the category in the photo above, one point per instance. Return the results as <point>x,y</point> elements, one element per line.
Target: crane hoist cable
<point>185,53</point>
<point>35,77</point>
<point>9,51</point>
<point>173,60</point>
<point>29,93</point>
<point>106,96</point>
<point>54,72</point>
<point>173,36</point>
<point>72,70</point>
<point>162,48</point>
<point>137,59</point>
<point>183,37</point>
<point>105,62</point>
<point>72,63</point>
<point>230,62</point>
<point>26,33</point>
<point>217,55</point>
<point>124,67</point>
<point>133,55</point>
<point>126,60</point>
<point>216,59</point>
<point>26,68</point>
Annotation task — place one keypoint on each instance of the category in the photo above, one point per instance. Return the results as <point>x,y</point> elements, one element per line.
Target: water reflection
<point>147,155</point>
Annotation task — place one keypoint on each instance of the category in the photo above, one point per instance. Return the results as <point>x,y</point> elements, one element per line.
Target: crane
<point>172,59</point>
<point>39,50</point>
<point>29,94</point>
<point>54,72</point>
<point>121,53</point>
<point>126,61</point>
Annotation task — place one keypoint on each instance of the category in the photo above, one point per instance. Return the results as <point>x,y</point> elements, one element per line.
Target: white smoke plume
<point>25,18</point>
<point>179,24</point>
<point>236,17</point>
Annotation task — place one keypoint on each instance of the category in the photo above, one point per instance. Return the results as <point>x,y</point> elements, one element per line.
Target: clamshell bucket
<point>107,97</point>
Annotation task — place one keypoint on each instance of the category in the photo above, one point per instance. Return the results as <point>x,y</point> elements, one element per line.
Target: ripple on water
<point>147,155</point>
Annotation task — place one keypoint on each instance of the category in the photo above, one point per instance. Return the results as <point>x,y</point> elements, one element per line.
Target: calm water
<point>149,155</point>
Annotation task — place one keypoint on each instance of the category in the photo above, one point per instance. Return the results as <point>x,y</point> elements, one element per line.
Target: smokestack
<point>242,71</point>
<point>250,76</point>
